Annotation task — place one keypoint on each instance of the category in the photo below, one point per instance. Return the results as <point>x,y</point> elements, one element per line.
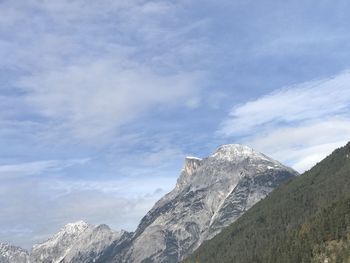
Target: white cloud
<point>298,125</point>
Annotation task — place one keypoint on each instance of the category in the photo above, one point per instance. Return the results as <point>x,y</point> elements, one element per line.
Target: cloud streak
<point>299,125</point>
<point>38,167</point>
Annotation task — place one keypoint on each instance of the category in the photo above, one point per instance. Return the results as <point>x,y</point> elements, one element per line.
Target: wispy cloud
<point>299,125</point>
<point>86,70</point>
<point>38,167</point>
<point>96,99</point>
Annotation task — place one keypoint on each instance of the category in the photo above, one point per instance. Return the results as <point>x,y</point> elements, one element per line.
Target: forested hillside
<point>305,220</point>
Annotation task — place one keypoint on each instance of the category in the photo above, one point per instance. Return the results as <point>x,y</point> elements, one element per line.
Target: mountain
<point>75,242</point>
<point>210,194</point>
<point>92,244</point>
<point>12,254</point>
<point>305,220</point>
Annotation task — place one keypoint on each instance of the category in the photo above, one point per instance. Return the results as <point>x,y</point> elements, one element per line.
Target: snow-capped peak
<point>230,152</point>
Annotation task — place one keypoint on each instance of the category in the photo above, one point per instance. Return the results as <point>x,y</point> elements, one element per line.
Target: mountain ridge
<point>210,193</point>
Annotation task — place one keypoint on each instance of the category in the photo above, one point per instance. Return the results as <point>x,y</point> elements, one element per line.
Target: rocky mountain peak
<point>210,194</point>
<point>67,233</point>
<point>190,167</point>
<point>102,227</point>
<point>191,164</point>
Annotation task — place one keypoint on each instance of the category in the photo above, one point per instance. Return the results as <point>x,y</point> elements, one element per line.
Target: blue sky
<point>100,101</point>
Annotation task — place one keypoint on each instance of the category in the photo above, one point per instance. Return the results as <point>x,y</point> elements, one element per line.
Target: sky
<point>100,101</point>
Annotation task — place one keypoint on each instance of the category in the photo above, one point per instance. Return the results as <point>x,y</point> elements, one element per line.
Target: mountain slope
<point>305,220</point>
<point>210,194</point>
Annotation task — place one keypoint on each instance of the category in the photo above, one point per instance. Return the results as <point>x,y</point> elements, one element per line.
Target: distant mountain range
<point>13,254</point>
<point>210,194</point>
<point>305,220</point>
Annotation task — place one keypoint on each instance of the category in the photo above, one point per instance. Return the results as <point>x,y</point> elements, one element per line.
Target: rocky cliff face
<point>210,194</point>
